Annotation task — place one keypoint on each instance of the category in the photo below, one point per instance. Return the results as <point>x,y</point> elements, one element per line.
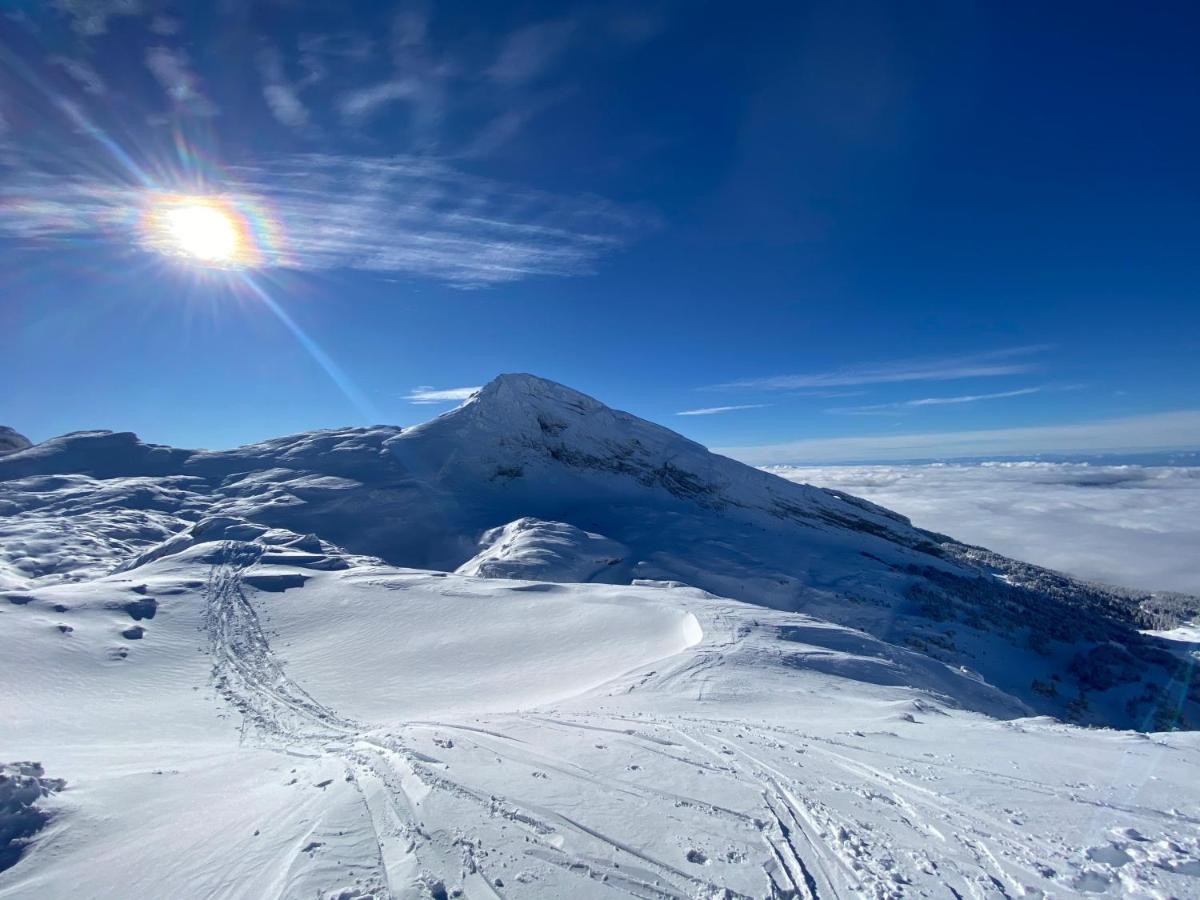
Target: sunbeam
<point>332,369</point>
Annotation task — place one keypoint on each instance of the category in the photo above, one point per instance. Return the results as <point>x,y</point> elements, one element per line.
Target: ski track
<point>386,772</point>
<point>432,830</point>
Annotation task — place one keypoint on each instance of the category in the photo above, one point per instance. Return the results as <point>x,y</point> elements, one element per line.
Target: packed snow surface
<point>539,648</point>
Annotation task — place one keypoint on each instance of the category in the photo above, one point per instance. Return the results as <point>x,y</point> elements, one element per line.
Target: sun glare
<point>210,231</point>
<point>202,232</point>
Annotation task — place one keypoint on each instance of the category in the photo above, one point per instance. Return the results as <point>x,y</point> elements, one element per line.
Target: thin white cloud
<point>319,51</point>
<point>1007,361</point>
<point>509,123</point>
<point>173,70</point>
<point>902,405</point>
<point>397,214</point>
<point>1135,526</point>
<point>87,77</point>
<point>827,395</point>
<point>530,51</point>
<point>90,17</point>
<point>281,96</point>
<point>715,410</point>
<point>427,395</point>
<point>365,102</point>
<point>410,27</point>
<point>1156,431</point>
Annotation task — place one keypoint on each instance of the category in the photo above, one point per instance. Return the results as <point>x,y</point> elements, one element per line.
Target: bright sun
<point>202,232</point>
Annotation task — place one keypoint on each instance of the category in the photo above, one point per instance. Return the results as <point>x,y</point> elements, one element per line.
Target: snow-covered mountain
<point>532,479</point>
<point>537,646</point>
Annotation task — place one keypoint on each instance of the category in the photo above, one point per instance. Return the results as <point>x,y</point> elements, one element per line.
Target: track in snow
<point>647,805</point>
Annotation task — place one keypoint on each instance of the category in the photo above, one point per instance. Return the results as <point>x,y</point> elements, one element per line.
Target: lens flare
<point>207,231</point>
<point>203,232</point>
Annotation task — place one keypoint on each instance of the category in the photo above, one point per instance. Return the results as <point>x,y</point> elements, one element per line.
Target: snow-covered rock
<point>547,551</point>
<point>12,441</point>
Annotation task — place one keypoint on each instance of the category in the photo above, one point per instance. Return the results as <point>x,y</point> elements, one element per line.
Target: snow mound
<point>547,551</point>
<point>101,454</point>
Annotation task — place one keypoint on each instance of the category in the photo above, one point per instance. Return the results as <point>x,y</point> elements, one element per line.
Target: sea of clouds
<point>1136,526</point>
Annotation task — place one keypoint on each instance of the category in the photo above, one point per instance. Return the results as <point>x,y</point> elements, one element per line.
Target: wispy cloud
<point>827,395</point>
<point>902,405</point>
<point>364,102</point>
<point>87,77</point>
<point>173,70</point>
<point>715,410</point>
<point>530,51</point>
<point>281,96</point>
<point>397,214</point>
<point>410,27</point>
<point>427,395</point>
<point>90,17</point>
<point>1157,431</point>
<point>1007,361</point>
<point>510,122</point>
<point>318,52</point>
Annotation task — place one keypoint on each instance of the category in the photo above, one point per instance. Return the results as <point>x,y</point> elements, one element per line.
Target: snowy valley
<point>537,647</point>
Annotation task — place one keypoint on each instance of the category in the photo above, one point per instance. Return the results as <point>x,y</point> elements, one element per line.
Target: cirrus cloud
<point>902,405</point>
<point>425,394</point>
<point>986,364</point>
<point>384,214</point>
<point>716,410</point>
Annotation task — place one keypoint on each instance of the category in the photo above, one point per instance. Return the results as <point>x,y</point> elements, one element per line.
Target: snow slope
<point>254,673</point>
<point>284,727</point>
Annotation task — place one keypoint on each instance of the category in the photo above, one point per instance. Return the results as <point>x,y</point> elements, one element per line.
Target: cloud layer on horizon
<point>1155,431</point>
<point>1134,526</point>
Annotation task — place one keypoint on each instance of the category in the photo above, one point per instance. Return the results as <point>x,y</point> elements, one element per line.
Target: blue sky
<point>826,231</point>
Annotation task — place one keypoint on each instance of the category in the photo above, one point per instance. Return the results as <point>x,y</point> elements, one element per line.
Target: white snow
<point>240,707</point>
